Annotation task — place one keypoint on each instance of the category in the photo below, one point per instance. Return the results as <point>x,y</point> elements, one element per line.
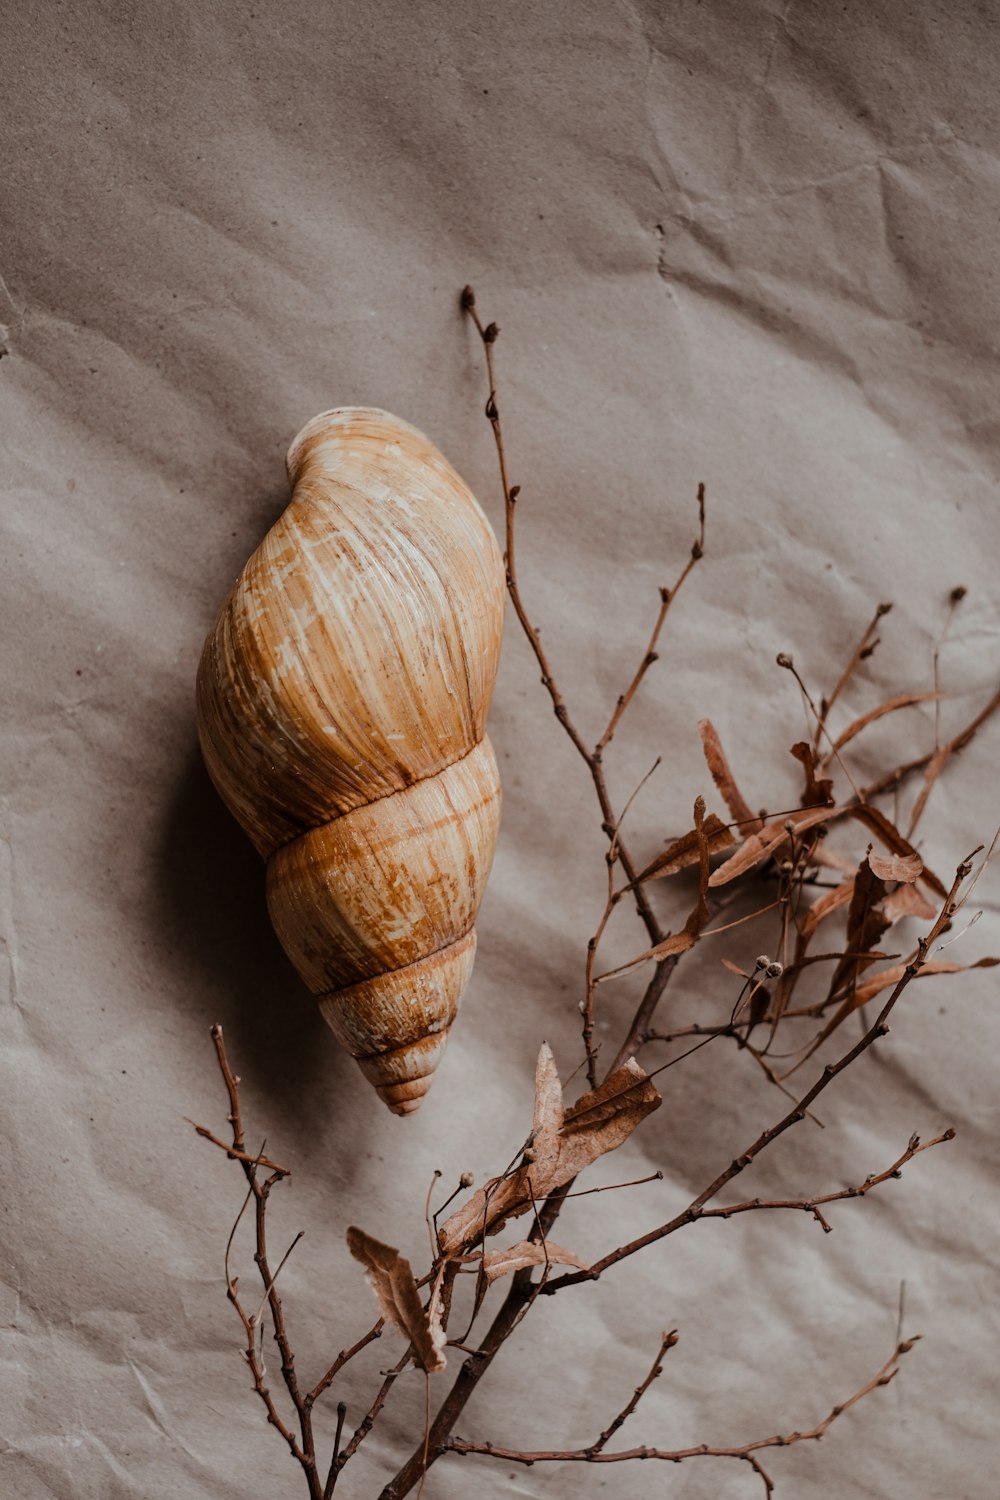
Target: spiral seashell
<point>342,701</point>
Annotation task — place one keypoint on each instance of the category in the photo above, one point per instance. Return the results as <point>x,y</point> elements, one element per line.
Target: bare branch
<point>746,1451</point>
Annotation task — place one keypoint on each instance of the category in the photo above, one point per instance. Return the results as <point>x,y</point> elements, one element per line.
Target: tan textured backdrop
<point>747,243</point>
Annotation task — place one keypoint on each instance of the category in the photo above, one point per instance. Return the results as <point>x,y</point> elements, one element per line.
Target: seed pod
<point>342,701</point>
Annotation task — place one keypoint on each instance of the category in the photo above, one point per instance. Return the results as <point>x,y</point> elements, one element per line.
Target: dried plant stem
<point>746,1451</point>
<point>787,856</point>
<point>863,649</point>
<point>667,597</point>
<point>342,1359</point>
<point>656,1369</point>
<point>303,1448</point>
<point>592,757</point>
<point>814,1204</point>
<point>798,1113</point>
<point>366,1425</point>
<point>522,1291</point>
<point>234,1154</point>
<point>902,773</point>
<point>469,1376</point>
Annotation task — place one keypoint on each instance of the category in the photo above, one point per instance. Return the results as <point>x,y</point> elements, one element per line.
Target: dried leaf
<point>680,942</point>
<point>604,1118</point>
<point>761,845</point>
<point>907,901</point>
<point>599,1122</point>
<point>817,793</point>
<point>399,1301</point>
<point>830,901</point>
<point>866,922</point>
<point>902,700</point>
<point>888,978</point>
<point>548,1117</point>
<point>686,851</point>
<point>498,1263</point>
<point>878,824</point>
<point>935,766</point>
<point>439,1305</point>
<point>715,758</point>
<point>829,859</point>
<point>671,947</point>
<point>905,867</point>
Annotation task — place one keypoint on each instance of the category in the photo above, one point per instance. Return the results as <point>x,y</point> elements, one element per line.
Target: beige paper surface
<point>750,244</point>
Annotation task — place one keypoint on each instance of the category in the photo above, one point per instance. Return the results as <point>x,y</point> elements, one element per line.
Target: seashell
<point>342,701</point>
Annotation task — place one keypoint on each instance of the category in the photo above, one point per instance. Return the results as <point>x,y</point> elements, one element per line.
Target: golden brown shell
<point>342,700</point>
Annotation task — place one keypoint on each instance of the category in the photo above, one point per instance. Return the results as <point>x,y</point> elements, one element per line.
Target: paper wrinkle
<point>158,1415</point>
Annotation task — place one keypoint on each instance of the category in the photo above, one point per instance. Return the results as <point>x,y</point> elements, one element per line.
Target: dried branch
<point>740,1163</point>
<point>902,773</point>
<point>366,1424</point>
<point>746,1451</point>
<point>667,1342</point>
<point>303,1448</point>
<point>667,597</point>
<point>814,1204</point>
<point>785,852</point>
<point>862,651</point>
<point>594,758</point>
<point>343,1358</point>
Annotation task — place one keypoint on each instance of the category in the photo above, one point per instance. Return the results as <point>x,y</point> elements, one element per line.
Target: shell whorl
<point>342,699</point>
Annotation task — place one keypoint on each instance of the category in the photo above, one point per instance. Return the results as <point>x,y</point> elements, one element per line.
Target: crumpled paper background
<point>750,244</point>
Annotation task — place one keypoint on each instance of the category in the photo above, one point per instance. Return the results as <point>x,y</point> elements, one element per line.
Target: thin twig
<point>488,336</point>
<point>368,1421</point>
<point>667,1342</point>
<point>862,650</point>
<point>793,1117</point>
<point>902,773</point>
<point>235,1155</point>
<point>746,1451</point>
<point>343,1358</point>
<point>667,597</point>
<point>304,1449</point>
<point>813,1204</point>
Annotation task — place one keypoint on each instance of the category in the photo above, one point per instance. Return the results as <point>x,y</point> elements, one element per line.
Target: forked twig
<point>747,1452</point>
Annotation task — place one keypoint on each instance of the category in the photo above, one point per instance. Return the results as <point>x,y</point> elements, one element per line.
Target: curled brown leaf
<point>498,1263</point>
<point>596,1124</point>
<point>884,980</point>
<point>904,867</point>
<point>901,700</point>
<point>907,901</point>
<point>686,851</point>
<point>888,834</point>
<point>829,902</point>
<point>680,942</point>
<point>393,1283</point>
<point>889,977</point>
<point>763,844</point>
<point>817,792</point>
<point>715,759</point>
